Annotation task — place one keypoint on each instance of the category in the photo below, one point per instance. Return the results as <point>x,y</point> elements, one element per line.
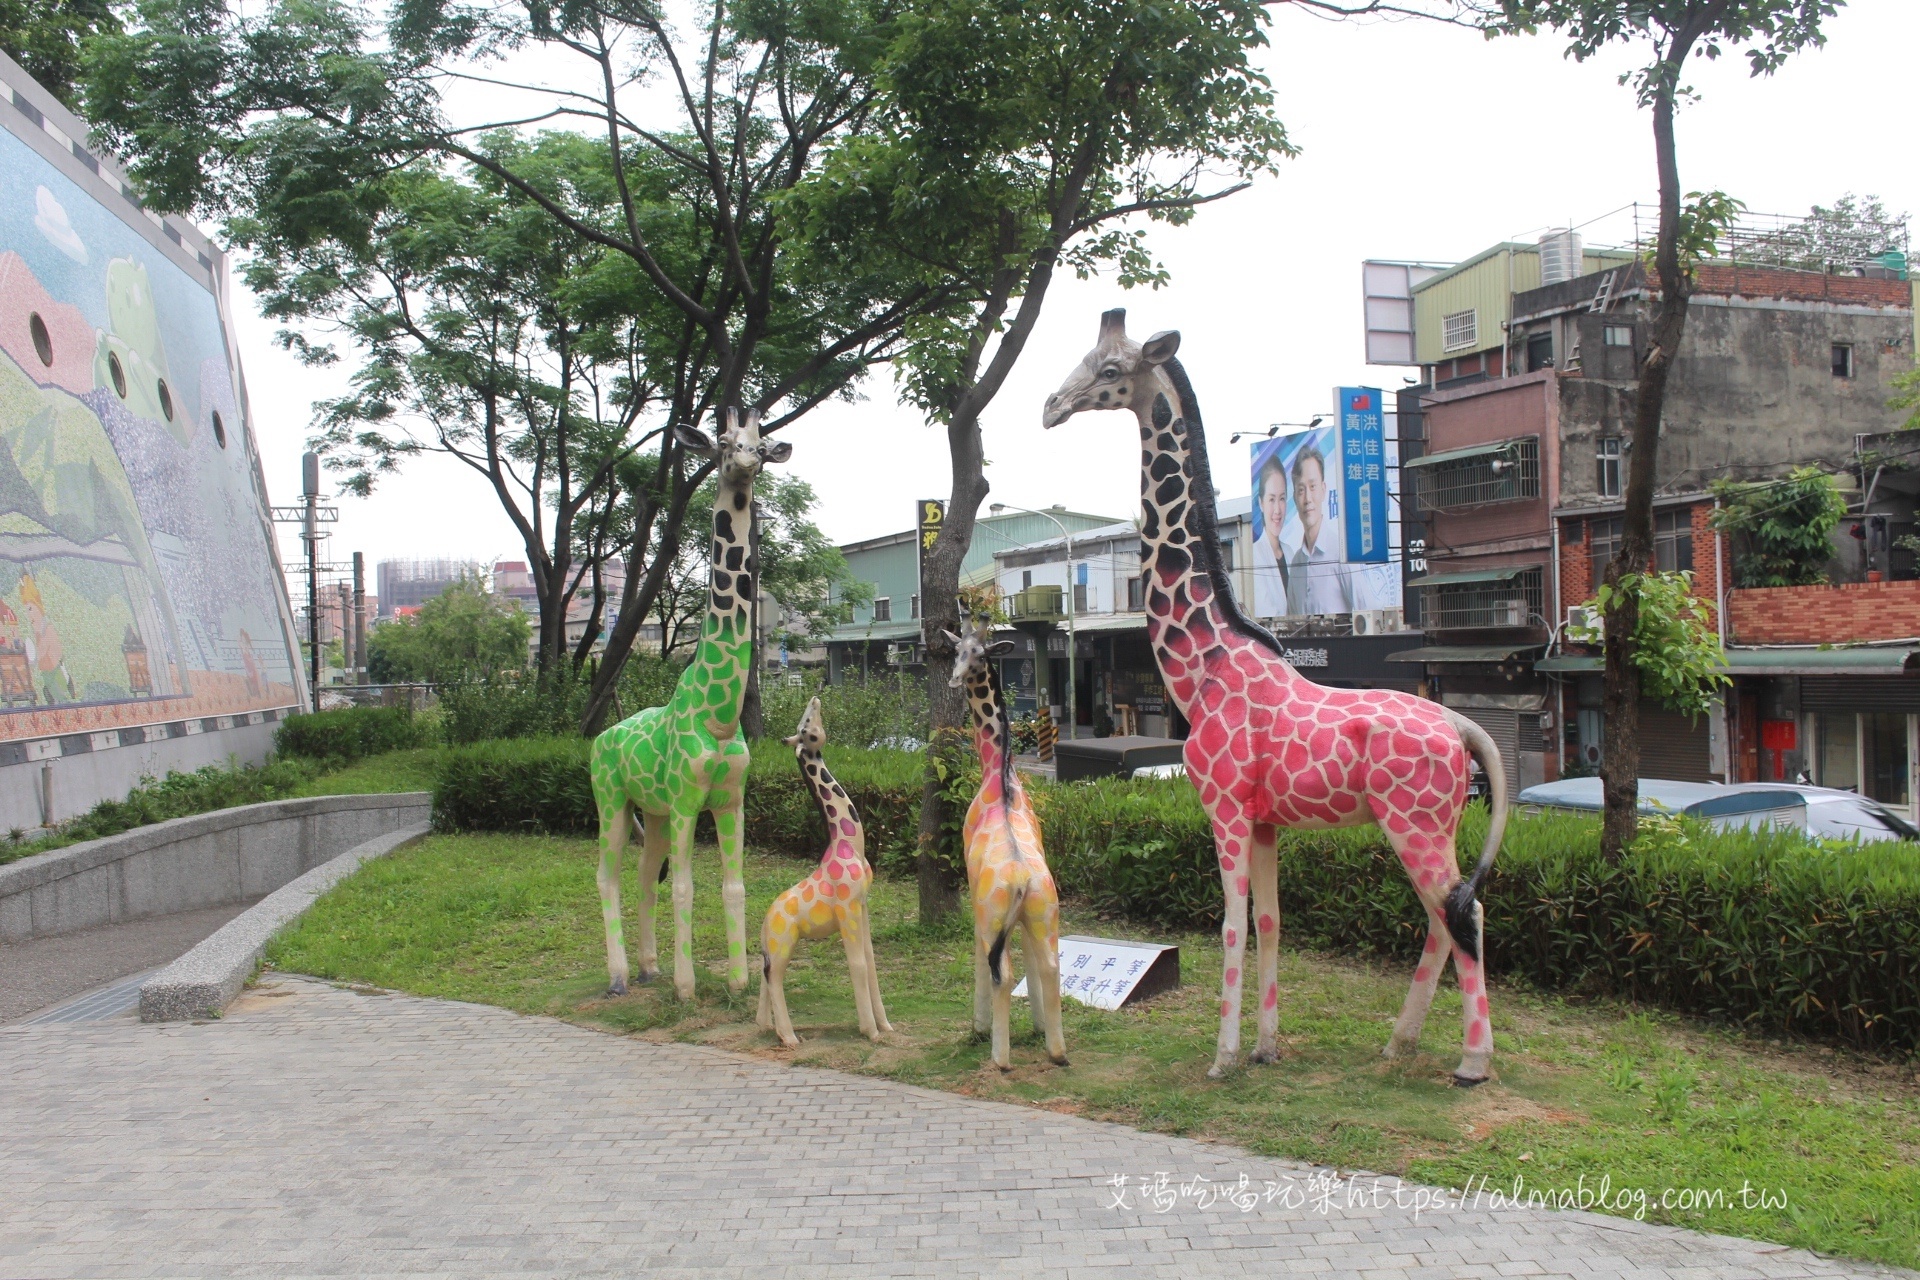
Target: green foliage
<point>1675,645</point>
<point>177,795</point>
<point>1907,386</point>
<point>514,704</point>
<point>1780,528</point>
<point>880,711</point>
<point>526,784</point>
<point>350,733</point>
<point>1705,218</point>
<point>45,37</point>
<point>464,633</point>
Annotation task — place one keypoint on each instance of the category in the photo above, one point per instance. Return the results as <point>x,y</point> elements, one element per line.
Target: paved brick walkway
<point>316,1131</point>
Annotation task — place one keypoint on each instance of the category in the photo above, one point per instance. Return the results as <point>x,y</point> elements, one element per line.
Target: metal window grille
<point>1672,542</point>
<point>1460,330</point>
<point>1513,603</point>
<point>883,609</point>
<point>1509,474</point>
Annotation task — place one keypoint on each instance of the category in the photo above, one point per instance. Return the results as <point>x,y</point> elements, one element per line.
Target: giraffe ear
<point>952,638</point>
<point>778,451</point>
<point>693,440</point>
<point>794,741</point>
<point>1160,347</point>
<point>999,647</point>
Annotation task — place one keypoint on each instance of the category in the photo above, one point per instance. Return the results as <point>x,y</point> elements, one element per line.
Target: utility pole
<point>359,659</point>
<point>310,534</point>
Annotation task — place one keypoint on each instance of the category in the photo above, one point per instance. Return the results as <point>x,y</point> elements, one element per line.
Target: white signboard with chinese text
<point>1106,973</point>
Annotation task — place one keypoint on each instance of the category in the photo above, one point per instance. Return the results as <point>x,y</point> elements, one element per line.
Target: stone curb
<point>201,983</point>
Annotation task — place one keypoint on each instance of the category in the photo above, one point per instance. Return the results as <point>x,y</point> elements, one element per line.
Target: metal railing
<point>1512,604</point>
<point>1509,474</point>
<point>417,696</point>
<point>1037,604</point>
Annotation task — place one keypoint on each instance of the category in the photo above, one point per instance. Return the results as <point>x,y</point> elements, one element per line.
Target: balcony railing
<point>1037,604</point>
<point>1509,604</point>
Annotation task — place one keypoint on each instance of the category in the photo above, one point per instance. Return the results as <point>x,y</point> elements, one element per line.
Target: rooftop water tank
<point>1560,257</point>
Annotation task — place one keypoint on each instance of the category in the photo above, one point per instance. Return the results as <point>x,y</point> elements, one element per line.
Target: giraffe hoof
<point>1264,1055</point>
<point>1467,1082</point>
<point>1220,1070</point>
<point>1006,1068</point>
<point>616,988</point>
<point>791,1042</point>
<point>1059,1059</point>
<point>647,977</point>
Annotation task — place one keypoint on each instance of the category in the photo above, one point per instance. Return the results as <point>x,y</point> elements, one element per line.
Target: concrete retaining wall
<point>201,861</point>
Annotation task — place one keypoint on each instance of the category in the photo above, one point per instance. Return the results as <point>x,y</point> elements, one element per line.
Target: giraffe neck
<point>844,830</point>
<point>716,680</point>
<point>1190,602</point>
<point>992,735</point>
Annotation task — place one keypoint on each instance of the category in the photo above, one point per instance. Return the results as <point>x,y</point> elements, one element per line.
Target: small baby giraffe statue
<point>832,899</point>
<point>1006,866</point>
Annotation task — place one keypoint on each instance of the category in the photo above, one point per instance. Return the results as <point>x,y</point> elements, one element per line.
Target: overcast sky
<point>1417,142</point>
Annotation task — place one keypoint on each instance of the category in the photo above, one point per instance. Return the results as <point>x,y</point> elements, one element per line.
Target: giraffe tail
<point>1461,921</point>
<point>997,953</point>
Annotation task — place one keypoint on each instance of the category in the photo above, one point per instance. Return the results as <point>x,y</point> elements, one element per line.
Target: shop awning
<point>1463,653</point>
<point>1458,455</point>
<point>1463,579</point>
<point>1107,623</point>
<point>1890,661</point>
<point>878,631</point>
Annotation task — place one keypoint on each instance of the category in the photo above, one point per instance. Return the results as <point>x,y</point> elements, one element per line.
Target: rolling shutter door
<point>1673,746</point>
<point>1503,726</point>
<point>1860,693</point>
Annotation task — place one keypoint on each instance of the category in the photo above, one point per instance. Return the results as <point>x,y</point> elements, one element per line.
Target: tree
<point>464,633</point>
<point>295,111</point>
<point>1013,139</point>
<point>45,37</point>
<point>1676,648</point>
<point>1780,528</point>
<point>1672,30</point>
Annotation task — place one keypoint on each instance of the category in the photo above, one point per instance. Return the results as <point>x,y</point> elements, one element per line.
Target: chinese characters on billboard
<point>1322,515</point>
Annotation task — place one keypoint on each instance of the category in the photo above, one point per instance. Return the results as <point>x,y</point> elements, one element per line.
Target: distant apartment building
<point>408,584</point>
<point>1515,450</point>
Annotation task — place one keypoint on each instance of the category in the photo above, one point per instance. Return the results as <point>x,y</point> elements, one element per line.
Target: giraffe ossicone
<point>1007,876</point>
<point>833,900</point>
<point>666,765</point>
<point>1267,747</point>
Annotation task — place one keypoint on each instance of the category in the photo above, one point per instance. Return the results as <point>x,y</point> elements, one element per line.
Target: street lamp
<point>1073,714</point>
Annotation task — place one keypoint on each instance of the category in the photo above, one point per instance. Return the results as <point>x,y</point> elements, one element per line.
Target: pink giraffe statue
<point>831,900</point>
<point>1271,749</point>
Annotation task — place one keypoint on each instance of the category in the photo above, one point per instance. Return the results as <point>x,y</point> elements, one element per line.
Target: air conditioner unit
<point>1581,618</point>
<point>1375,622</point>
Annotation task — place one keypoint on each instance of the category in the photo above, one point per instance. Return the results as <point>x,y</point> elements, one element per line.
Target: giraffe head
<point>741,452</point>
<point>1116,374</point>
<point>972,651</point>
<point>811,735</point>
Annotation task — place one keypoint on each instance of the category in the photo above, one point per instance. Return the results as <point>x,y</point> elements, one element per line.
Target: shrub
<point>513,705</point>
<point>350,733</point>
<point>880,711</point>
<point>1760,927</point>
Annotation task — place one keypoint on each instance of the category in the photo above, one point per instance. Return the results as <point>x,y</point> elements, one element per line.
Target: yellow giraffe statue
<point>831,900</point>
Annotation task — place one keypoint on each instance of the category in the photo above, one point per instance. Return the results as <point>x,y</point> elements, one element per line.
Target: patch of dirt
<point>260,998</point>
<point>1491,1107</point>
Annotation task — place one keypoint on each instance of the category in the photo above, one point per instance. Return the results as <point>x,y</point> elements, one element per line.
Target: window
<point>1539,352</point>
<point>1608,458</point>
<point>1476,476</point>
<point>1459,331</point>
<point>1603,543</point>
<point>1136,594</point>
<point>1226,554</point>
<point>883,609</point>
<point>1843,359</point>
<point>1515,602</point>
<point>1883,753</point>
<point>1673,540</point>
<point>1026,579</point>
<point>915,606</point>
<point>1079,597</point>
<point>1618,335</point>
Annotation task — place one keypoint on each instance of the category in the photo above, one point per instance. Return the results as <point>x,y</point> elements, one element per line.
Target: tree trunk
<point>1620,745</point>
<point>939,873</point>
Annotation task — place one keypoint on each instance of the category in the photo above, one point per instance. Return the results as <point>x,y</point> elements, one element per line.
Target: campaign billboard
<point>1323,522</point>
<point>140,593</point>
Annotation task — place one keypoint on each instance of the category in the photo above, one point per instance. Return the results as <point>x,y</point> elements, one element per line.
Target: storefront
<point>1497,688</point>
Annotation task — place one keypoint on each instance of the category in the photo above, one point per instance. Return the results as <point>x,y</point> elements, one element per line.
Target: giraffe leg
<point>873,972</point>
<point>680,851</point>
<point>613,842</point>
<point>1232,837</point>
<point>730,826</point>
<point>1474,1059</point>
<point>653,845</point>
<point>1003,1010</point>
<point>776,984</point>
<point>1266,928</point>
<point>1043,972</point>
<point>1426,980</point>
<point>851,919</point>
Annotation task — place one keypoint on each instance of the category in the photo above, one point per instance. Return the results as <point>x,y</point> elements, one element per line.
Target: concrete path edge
<point>201,983</point>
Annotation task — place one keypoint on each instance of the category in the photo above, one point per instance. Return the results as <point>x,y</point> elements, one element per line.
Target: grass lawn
<point>1581,1090</point>
<point>394,771</point>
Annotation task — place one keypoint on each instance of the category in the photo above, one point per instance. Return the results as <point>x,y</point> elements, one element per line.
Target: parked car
<point>1819,811</point>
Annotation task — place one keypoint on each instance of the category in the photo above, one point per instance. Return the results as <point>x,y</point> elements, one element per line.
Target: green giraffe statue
<point>666,764</point>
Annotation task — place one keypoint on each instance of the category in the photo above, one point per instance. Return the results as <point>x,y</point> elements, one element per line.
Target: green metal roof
<point>1889,661</point>
<point>857,631</point>
<point>1571,662</point>
<point>1462,579</point>
<point>1457,455</point>
<point>1462,653</point>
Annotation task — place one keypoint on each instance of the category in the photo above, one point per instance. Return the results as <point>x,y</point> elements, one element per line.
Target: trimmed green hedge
<point>350,733</point>
<point>1763,928</point>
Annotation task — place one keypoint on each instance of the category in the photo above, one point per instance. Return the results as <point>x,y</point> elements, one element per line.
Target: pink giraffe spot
<point>1480,1006</point>
<point>1475,1034</point>
<point>1233,977</point>
<point>1266,923</point>
<point>1422,973</point>
<point>848,829</point>
<point>1272,998</point>
<point>1233,936</point>
<point>1240,886</point>
<point>1226,1009</point>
